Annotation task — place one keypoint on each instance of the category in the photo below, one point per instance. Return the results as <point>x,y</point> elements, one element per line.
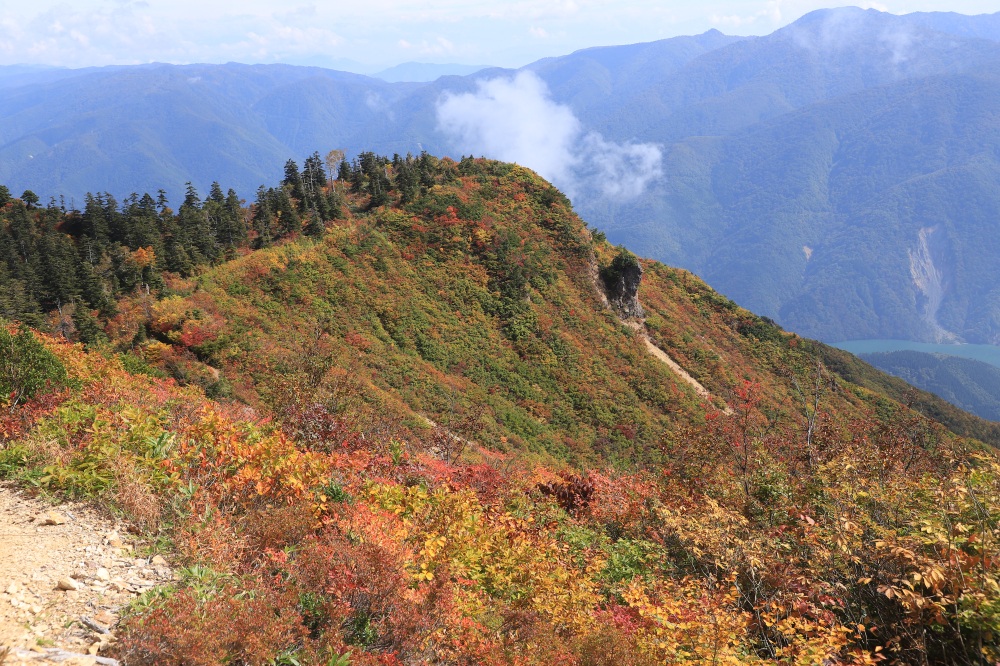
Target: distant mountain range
<point>840,175</point>
<point>423,72</point>
<point>972,385</point>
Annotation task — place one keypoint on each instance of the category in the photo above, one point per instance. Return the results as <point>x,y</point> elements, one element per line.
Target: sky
<point>369,35</point>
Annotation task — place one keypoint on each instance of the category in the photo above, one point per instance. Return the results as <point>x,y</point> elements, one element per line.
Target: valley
<point>985,353</point>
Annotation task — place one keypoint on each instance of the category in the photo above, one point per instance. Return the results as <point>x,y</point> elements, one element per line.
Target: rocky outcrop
<point>621,284</point>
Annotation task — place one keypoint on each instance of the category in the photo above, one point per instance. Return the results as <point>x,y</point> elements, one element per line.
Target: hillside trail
<point>639,326</point>
<point>66,572</point>
<point>683,374</point>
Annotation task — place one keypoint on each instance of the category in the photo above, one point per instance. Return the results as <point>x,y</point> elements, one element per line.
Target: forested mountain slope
<point>970,384</point>
<point>464,294</point>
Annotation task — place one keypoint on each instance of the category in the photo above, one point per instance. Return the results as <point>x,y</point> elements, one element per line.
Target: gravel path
<point>65,574</point>
<point>683,374</point>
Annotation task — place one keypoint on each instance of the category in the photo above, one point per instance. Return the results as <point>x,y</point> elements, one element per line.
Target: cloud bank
<point>516,120</point>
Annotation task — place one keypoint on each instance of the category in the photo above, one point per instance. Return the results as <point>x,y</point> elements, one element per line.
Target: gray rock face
<point>621,283</point>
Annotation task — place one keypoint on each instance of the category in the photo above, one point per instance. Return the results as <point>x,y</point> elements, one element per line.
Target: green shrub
<point>26,367</point>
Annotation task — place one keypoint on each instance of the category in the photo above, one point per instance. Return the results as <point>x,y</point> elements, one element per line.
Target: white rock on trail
<point>67,584</point>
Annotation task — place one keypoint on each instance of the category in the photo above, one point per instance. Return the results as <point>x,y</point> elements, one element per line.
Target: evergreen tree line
<point>54,259</point>
<point>77,262</point>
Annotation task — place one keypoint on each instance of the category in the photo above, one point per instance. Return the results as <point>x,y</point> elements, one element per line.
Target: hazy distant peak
<point>22,68</point>
<point>982,26</point>
<point>425,72</point>
<point>839,26</point>
<point>845,24</point>
<point>825,14</point>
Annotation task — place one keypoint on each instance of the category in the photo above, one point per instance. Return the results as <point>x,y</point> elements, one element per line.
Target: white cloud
<point>532,9</point>
<point>513,120</point>
<point>843,31</point>
<point>900,43</point>
<point>376,103</point>
<point>516,120</point>
<point>132,33</point>
<point>619,170</point>
<point>439,46</point>
<point>770,12</point>
<point>79,38</point>
<point>379,32</point>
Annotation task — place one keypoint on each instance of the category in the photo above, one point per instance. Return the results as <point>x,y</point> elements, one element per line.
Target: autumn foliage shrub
<point>26,366</point>
<point>877,545</point>
<point>572,492</point>
<point>241,624</point>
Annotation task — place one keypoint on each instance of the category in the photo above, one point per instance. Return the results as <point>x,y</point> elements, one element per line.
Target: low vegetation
<point>418,435</point>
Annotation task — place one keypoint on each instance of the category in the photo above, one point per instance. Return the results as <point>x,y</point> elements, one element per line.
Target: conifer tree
<point>95,224</point>
<point>142,225</point>
<point>292,184</point>
<point>234,232</point>
<point>288,217</point>
<point>407,179</point>
<point>194,223</point>
<point>313,183</point>
<point>30,199</point>
<point>87,327</point>
<point>345,172</point>
<point>263,219</point>
<point>314,225</point>
<point>374,179</point>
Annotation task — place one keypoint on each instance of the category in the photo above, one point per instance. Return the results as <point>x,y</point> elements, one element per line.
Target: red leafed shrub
<point>363,587</point>
<point>276,526</point>
<point>320,429</point>
<point>357,340</point>
<point>489,483</point>
<point>196,333</point>
<point>614,643</point>
<point>360,590</point>
<point>620,502</point>
<point>13,423</point>
<point>573,492</point>
<point>234,626</point>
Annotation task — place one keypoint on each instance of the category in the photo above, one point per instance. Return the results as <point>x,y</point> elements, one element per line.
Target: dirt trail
<point>639,326</point>
<point>65,574</point>
<point>675,366</point>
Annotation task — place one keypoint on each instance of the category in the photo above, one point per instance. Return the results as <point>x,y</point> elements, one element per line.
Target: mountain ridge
<point>872,109</point>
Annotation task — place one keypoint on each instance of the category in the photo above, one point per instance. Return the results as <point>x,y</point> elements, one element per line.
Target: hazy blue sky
<point>379,32</point>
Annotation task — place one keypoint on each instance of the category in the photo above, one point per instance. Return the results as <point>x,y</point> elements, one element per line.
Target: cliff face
<point>621,283</point>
